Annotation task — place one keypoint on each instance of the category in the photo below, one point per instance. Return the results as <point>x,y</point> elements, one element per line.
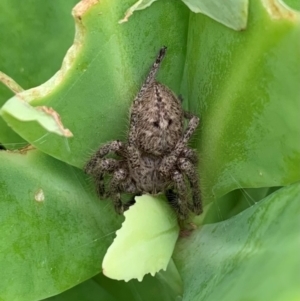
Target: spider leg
<point>133,157</point>
<point>114,146</point>
<point>129,186</point>
<point>180,203</point>
<point>190,154</point>
<point>194,121</point>
<point>131,201</point>
<point>102,166</point>
<point>170,160</point>
<point>190,171</point>
<point>118,177</point>
<point>193,124</point>
<point>171,196</point>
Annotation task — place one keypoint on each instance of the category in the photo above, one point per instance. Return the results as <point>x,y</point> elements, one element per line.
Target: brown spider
<point>156,157</point>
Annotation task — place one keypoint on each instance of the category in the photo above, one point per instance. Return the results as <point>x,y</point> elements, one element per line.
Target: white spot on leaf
<point>39,195</point>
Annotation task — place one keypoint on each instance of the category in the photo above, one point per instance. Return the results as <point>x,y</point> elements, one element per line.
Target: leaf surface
<point>55,231</point>
<point>252,256</point>
<point>233,13</point>
<point>26,26</point>
<point>245,87</point>
<point>145,242</point>
<point>102,73</point>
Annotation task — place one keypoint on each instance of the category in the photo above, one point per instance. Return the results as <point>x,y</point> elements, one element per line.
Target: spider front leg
<point>190,154</point>
<point>189,169</point>
<point>133,157</point>
<point>179,202</point>
<point>110,147</point>
<point>170,160</point>
<point>115,184</point>
<point>103,166</point>
<point>193,124</point>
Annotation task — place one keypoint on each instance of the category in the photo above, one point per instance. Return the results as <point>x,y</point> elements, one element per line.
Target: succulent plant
<point>238,68</point>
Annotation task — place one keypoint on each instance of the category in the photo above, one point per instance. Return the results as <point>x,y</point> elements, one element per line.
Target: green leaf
<point>294,4</point>
<point>101,74</point>
<point>165,284</point>
<point>8,138</point>
<point>17,109</point>
<point>233,13</point>
<point>55,231</point>
<point>226,75</point>
<point>89,290</point>
<point>252,256</point>
<point>245,87</point>
<point>139,5</point>
<point>232,203</point>
<point>26,26</point>
<point>147,239</point>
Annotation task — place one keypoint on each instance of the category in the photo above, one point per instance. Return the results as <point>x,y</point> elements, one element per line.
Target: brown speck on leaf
<point>39,195</point>
<point>82,7</point>
<point>56,117</point>
<point>278,10</point>
<point>26,148</point>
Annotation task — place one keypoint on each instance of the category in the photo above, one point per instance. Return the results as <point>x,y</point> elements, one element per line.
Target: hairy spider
<point>156,157</point>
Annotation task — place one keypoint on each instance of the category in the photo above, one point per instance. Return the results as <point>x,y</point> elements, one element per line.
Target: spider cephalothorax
<point>156,157</point>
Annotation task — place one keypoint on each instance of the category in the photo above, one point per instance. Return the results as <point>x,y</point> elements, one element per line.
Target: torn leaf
<point>145,242</point>
<point>48,118</point>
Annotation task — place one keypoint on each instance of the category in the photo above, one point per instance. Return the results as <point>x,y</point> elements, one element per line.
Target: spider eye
<point>155,123</point>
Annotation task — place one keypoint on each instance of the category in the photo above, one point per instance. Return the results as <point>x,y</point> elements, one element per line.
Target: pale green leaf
<point>17,109</point>
<point>145,242</point>
<point>232,13</point>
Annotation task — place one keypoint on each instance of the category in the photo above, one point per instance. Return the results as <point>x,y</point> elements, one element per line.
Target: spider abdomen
<point>150,179</point>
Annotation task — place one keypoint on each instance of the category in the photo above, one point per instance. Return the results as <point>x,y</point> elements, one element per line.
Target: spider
<point>156,158</point>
